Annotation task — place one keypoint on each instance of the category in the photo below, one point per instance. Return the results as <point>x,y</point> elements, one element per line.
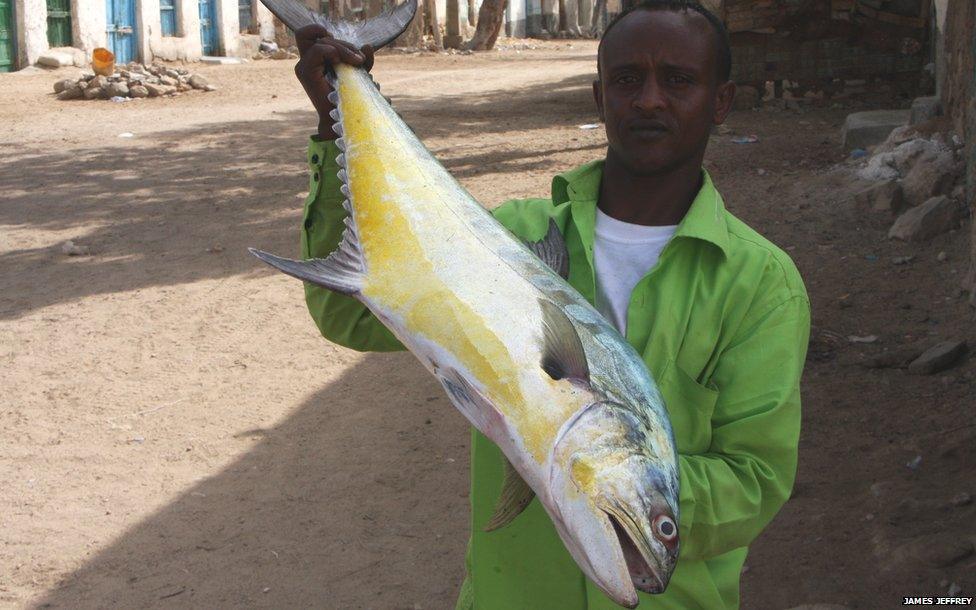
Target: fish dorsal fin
<point>342,271</point>
<point>563,356</point>
<point>514,498</point>
<point>551,249</point>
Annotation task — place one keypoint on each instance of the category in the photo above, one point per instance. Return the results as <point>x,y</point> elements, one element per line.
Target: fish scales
<point>449,291</point>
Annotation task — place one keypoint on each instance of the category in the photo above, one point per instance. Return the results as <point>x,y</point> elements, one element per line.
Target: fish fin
<point>474,405</point>
<point>342,271</point>
<point>513,499</point>
<point>563,356</point>
<point>551,249</point>
<point>377,31</point>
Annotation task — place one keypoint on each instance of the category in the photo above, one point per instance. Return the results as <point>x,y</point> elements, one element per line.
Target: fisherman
<point>719,314</point>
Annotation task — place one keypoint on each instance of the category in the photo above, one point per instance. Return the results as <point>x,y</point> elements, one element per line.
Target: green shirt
<point>722,322</point>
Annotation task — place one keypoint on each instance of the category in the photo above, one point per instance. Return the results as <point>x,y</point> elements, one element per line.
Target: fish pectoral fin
<point>514,498</point>
<point>551,249</point>
<point>563,356</point>
<point>475,406</point>
<point>342,271</point>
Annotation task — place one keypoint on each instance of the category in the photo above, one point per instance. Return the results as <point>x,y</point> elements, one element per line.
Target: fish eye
<point>665,528</point>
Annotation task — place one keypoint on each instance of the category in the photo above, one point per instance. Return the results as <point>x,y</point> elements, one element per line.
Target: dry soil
<point>177,434</point>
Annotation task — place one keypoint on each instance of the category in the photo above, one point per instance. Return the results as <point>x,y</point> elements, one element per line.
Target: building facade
<point>134,30</point>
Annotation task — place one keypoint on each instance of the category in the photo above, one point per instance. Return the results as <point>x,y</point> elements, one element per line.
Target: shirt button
<point>309,223</point>
<point>315,158</point>
<point>315,176</point>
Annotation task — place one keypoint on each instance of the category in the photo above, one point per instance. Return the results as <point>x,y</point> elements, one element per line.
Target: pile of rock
<point>270,50</point>
<point>133,81</point>
<point>917,178</point>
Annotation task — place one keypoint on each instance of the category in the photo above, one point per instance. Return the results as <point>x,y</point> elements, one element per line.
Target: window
<point>167,17</point>
<point>244,15</point>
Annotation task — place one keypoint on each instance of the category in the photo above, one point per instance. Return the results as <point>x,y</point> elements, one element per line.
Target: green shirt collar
<point>705,219</point>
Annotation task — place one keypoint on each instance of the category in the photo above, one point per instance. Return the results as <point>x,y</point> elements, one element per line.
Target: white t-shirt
<point>623,253</point>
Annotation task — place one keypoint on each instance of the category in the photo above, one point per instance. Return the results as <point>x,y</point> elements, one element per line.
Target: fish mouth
<point>645,576</point>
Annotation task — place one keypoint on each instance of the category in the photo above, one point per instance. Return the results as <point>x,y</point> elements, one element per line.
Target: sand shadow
<point>184,205</point>
<point>288,524</point>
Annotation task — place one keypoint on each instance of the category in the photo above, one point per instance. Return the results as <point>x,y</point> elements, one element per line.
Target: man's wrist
<point>325,129</point>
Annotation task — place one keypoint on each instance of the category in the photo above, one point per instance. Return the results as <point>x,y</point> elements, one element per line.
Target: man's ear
<point>598,98</point>
<point>723,102</point>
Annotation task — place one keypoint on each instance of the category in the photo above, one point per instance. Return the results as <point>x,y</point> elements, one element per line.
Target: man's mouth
<point>648,129</point>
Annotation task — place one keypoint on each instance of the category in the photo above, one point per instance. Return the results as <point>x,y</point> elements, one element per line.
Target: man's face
<point>658,91</point>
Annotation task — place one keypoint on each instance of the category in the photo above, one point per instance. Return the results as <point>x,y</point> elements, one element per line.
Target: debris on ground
<point>750,139</point>
<point>72,249</point>
<point>917,176</point>
<point>271,50</point>
<point>133,81</point>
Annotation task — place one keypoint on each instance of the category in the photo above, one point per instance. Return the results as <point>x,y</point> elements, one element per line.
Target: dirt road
<point>176,434</point>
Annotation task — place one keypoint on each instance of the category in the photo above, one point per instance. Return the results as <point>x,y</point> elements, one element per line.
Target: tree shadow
<point>288,524</point>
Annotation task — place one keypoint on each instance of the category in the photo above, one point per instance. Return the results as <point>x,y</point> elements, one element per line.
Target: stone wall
<point>959,100</point>
<point>819,40</point>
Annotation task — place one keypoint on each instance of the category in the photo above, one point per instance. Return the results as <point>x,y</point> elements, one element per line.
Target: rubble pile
<point>135,80</point>
<point>918,179</point>
<point>270,50</point>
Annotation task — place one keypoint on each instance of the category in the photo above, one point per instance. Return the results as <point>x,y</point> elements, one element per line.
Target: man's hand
<point>319,52</point>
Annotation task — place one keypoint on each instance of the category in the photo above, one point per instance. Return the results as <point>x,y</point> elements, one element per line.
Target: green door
<point>6,35</point>
<point>59,23</point>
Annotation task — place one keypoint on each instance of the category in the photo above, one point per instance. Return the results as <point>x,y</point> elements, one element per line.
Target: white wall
<point>31,22</point>
<point>88,24</point>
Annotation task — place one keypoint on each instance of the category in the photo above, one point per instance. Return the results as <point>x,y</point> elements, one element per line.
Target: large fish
<point>520,353</point>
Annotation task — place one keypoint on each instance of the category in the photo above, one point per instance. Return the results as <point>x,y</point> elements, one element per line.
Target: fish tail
<point>377,31</point>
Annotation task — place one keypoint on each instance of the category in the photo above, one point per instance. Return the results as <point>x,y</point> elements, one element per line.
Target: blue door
<point>208,27</point>
<point>121,20</point>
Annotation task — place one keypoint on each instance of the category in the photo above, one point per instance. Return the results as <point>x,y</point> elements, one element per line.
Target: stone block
<point>938,358</point>
<point>935,216</point>
<point>925,108</point>
<point>56,59</point>
<point>863,129</point>
<point>63,84</point>
<point>885,196</point>
<point>222,61</point>
<point>198,82</point>
<point>932,174</point>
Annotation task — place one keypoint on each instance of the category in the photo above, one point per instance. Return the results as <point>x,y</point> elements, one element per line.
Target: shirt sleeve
<point>729,494</point>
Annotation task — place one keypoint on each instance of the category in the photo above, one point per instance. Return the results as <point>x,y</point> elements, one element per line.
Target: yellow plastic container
<point>103,62</point>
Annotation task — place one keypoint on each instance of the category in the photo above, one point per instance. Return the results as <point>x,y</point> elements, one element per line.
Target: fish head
<point>614,490</point>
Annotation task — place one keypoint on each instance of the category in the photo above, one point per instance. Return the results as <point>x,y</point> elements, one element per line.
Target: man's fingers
<point>368,57</point>
<point>307,35</point>
<point>327,52</point>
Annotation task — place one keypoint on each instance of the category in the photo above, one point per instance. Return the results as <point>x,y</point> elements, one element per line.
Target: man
<point>719,314</point>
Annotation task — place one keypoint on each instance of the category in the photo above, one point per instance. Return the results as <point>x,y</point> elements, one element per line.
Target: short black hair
<point>724,63</point>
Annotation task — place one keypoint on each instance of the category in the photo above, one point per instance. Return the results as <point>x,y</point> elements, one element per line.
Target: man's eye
<point>627,79</point>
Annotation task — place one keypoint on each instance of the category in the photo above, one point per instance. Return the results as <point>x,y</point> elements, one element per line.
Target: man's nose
<point>650,97</point>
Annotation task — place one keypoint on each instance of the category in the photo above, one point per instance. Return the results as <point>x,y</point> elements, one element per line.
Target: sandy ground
<point>176,433</point>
